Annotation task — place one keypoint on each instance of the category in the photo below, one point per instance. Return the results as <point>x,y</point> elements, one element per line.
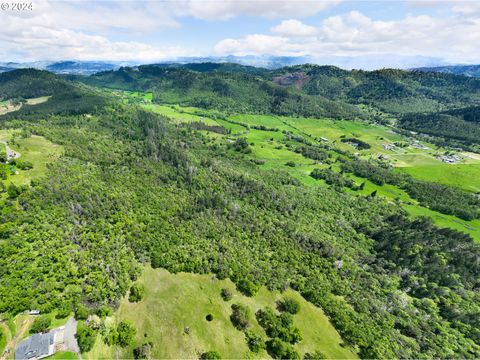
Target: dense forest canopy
<point>134,188</point>
<point>66,97</point>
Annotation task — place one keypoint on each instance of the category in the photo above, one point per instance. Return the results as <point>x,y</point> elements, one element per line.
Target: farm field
<point>7,106</point>
<point>470,227</point>
<point>463,176</point>
<point>174,302</point>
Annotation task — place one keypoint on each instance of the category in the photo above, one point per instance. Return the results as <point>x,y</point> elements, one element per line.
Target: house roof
<point>35,346</point>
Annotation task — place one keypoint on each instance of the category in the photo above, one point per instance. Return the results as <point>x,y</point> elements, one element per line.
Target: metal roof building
<point>36,346</point>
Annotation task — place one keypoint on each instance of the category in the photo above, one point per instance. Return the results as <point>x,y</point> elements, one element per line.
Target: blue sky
<point>346,33</point>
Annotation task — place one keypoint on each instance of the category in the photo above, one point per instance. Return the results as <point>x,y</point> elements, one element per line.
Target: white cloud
<point>90,30</point>
<point>294,28</point>
<point>468,8</point>
<point>453,38</point>
<point>72,29</point>
<point>257,44</point>
<point>227,9</point>
<point>79,30</point>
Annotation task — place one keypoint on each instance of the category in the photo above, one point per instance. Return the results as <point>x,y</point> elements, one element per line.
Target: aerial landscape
<point>270,179</point>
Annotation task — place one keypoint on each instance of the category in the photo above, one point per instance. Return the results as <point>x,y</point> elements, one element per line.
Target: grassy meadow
<point>35,149</point>
<point>173,315</point>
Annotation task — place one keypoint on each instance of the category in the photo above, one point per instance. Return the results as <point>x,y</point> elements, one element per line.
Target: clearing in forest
<point>34,149</point>
<point>173,315</point>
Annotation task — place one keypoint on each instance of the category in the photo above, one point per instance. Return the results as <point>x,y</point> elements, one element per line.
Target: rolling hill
<point>64,96</point>
<point>247,195</point>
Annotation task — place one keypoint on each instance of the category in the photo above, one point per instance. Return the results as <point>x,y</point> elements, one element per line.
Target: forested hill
<point>392,90</point>
<point>32,83</point>
<point>226,87</point>
<point>66,97</point>
<point>135,188</point>
<point>308,90</point>
<point>217,67</point>
<point>462,126</point>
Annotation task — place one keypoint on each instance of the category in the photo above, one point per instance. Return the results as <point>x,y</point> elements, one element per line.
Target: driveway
<point>69,339</point>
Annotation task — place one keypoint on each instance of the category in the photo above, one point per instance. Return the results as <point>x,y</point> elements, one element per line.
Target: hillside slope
<point>307,90</point>
<point>211,86</point>
<point>64,96</point>
<point>394,91</point>
<point>134,189</point>
<point>175,302</point>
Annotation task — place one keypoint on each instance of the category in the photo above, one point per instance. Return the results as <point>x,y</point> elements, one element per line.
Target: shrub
<point>104,311</point>
<point>209,317</point>
<point>40,324</point>
<point>255,341</point>
<point>241,145</point>
<point>289,305</point>
<point>125,333</point>
<point>13,191</point>
<point>110,336</point>
<point>240,316</point>
<point>24,165</point>
<point>143,352</point>
<point>3,153</point>
<point>278,326</point>
<point>210,355</point>
<point>85,337</point>
<point>247,287</point>
<point>226,294</point>
<point>63,311</point>
<point>81,312</point>
<point>281,350</point>
<point>137,292</point>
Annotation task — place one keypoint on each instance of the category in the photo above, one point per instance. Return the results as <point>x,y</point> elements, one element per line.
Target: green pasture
<point>173,314</point>
<point>35,149</point>
<point>463,176</point>
<point>447,221</point>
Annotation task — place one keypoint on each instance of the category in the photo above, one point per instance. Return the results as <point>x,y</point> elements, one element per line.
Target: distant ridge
<point>465,70</point>
<point>65,67</point>
<point>365,62</point>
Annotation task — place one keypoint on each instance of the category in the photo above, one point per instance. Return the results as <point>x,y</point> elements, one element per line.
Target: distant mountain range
<point>66,67</point>
<point>465,70</point>
<point>92,67</point>
<point>366,62</point>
